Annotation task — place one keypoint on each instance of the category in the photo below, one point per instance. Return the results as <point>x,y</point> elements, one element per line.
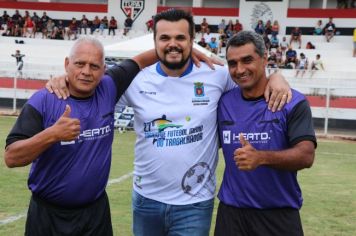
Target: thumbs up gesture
<point>246,157</point>
<point>66,128</point>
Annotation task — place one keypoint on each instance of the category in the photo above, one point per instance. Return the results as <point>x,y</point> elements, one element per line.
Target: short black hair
<point>245,37</point>
<point>174,15</point>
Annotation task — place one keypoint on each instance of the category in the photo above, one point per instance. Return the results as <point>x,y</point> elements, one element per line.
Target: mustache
<point>173,49</point>
<point>239,75</point>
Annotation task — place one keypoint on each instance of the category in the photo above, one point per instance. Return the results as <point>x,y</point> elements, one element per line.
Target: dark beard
<point>175,65</point>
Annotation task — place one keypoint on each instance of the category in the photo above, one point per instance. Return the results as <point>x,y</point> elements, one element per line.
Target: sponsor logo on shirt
<point>231,137</point>
<point>165,133</point>
<point>199,95</point>
<point>90,134</point>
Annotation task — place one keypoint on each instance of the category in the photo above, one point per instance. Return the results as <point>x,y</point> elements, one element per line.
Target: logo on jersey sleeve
<point>165,133</point>
<point>199,95</point>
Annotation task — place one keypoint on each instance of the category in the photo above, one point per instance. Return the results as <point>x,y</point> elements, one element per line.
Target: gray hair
<point>246,37</point>
<point>89,40</point>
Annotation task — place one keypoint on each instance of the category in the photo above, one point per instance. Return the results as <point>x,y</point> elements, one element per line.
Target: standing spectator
<point>318,29</point>
<point>329,30</point>
<point>267,41</point>
<point>19,62</point>
<point>84,24</point>
<point>95,24</point>
<point>149,25</point>
<point>204,26</point>
<point>275,28</point>
<point>112,25</point>
<point>221,27</point>
<point>302,64</point>
<point>296,35</point>
<point>44,19</point>
<point>354,41</point>
<point>238,26</point>
<point>317,64</point>
<point>16,17</point>
<point>260,28</point>
<point>127,24</point>
<point>5,17</point>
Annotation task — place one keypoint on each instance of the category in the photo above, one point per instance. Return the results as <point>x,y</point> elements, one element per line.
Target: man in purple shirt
<point>263,150</point>
<point>68,142</point>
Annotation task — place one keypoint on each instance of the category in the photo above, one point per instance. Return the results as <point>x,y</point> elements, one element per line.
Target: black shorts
<point>45,219</point>
<point>232,221</point>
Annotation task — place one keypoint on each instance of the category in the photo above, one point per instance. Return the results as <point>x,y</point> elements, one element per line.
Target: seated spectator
<point>309,45</point>
<point>268,27</point>
<point>279,56</point>
<point>318,29</point>
<point>221,27</point>
<point>302,64</point>
<point>272,63</point>
<point>229,31</point>
<point>230,25</point>
<point>128,25</point>
<point>275,28</point>
<point>316,65</point>
<point>95,25</point>
<point>354,42</point>
<point>329,30</point>
<point>84,25</point>
<point>149,24</point>
<point>274,41</point>
<point>16,17</point>
<point>104,24</point>
<point>29,28</point>
<point>204,26</point>
<point>49,29</point>
<point>296,35</point>
<point>203,43</point>
<point>284,44</point>
<point>112,25</point>
<point>207,36</point>
<point>237,27</point>
<point>222,42</point>
<point>213,45</point>
<point>291,58</point>
<point>58,33</point>
<point>61,29</point>
<point>72,29</point>
<point>260,28</point>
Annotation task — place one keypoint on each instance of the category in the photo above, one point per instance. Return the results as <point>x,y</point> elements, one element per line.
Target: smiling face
<point>173,45</point>
<point>84,68</point>
<point>247,69</point>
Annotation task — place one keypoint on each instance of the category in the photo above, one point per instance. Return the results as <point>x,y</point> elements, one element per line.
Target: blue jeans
<point>153,218</point>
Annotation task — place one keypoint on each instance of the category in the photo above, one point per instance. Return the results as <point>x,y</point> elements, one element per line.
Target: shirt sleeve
<point>28,124</point>
<point>300,124</point>
<point>123,74</point>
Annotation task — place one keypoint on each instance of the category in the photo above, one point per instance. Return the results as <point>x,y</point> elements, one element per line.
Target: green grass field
<point>329,188</point>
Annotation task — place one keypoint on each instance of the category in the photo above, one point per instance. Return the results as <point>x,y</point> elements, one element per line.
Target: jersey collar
<point>187,71</point>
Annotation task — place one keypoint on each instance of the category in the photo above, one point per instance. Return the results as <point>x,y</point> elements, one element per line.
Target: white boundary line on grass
<point>23,214</point>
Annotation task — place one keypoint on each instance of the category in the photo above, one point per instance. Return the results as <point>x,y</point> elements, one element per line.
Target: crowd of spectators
<point>25,25</point>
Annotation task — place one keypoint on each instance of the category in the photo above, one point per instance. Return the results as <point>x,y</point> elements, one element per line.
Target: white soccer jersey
<point>176,150</point>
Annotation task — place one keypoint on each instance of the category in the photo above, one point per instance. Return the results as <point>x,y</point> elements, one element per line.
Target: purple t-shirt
<point>264,187</point>
<point>74,173</point>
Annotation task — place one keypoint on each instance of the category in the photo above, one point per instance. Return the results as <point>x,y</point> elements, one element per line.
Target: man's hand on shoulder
<point>277,92</point>
<point>58,85</point>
